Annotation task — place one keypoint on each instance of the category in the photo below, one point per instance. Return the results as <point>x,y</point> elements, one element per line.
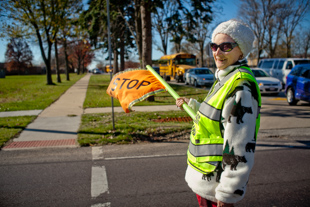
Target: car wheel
<point>290,97</point>
<point>191,83</point>
<point>196,84</point>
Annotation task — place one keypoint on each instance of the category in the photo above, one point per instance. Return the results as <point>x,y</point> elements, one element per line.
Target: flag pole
<point>110,53</point>
<point>172,92</point>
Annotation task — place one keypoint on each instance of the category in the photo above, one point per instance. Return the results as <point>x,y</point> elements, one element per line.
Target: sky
<point>230,9</point>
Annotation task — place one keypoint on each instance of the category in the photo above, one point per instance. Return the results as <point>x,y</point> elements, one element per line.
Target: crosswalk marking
<point>99,181</point>
<point>102,205</point>
<point>97,153</point>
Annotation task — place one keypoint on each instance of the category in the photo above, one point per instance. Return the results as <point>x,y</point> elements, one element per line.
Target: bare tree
<point>253,14</point>
<point>293,12</point>
<point>264,19</point>
<point>273,21</point>
<point>18,55</point>
<point>161,26</point>
<point>307,44</point>
<point>40,18</point>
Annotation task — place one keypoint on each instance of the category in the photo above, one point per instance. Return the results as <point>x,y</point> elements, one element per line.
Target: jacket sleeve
<point>194,104</point>
<point>239,120</point>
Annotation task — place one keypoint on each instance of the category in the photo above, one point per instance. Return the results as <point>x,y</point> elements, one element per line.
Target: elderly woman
<point>222,142</point>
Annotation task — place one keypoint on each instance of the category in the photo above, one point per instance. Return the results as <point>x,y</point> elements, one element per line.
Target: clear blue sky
<point>230,9</point>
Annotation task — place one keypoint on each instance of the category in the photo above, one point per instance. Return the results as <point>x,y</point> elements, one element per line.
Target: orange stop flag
<point>133,86</point>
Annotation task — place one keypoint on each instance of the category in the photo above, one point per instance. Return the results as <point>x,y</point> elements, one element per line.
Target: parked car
<point>298,84</point>
<point>97,71</point>
<point>280,67</point>
<point>186,76</point>
<point>267,84</point>
<point>199,77</point>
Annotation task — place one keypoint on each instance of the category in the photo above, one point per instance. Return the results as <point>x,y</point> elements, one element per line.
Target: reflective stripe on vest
<point>206,141</point>
<point>210,112</point>
<point>205,150</point>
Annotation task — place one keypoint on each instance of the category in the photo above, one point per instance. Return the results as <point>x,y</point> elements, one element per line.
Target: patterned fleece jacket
<point>239,140</point>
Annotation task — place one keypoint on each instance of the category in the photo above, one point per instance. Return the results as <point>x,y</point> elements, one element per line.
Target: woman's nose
<point>218,51</point>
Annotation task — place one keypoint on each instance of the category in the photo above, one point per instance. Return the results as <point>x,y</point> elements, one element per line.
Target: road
<point>153,174</point>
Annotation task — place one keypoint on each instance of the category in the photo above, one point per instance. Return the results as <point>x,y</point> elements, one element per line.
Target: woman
<point>222,142</point>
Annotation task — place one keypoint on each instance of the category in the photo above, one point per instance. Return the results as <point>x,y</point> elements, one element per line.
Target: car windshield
<point>202,71</point>
<point>298,62</point>
<point>260,73</point>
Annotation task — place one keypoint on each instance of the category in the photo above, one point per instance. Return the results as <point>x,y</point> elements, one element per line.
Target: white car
<point>267,84</point>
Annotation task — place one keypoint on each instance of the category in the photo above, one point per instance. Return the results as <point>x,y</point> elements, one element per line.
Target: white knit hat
<point>239,32</point>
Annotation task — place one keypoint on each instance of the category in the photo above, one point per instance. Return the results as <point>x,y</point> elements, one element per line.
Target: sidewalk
<point>57,125</point>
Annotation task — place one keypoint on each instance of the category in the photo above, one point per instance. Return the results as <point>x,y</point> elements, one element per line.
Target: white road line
<point>97,153</point>
<point>102,205</point>
<point>145,156</point>
<point>99,181</point>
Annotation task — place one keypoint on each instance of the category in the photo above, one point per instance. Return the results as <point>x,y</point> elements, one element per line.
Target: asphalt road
<point>153,174</point>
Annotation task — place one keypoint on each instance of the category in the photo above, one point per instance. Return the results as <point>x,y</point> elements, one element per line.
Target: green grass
<point>97,129</point>
<point>10,127</point>
<point>97,97</point>
<point>29,92</point>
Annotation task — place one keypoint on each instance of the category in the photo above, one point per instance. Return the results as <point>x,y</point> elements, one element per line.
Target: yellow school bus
<point>174,66</point>
<point>107,68</point>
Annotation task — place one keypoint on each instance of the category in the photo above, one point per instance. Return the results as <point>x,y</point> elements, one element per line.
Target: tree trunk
<point>115,61</point>
<point>67,60</point>
<point>201,55</point>
<point>146,23</point>
<point>47,60</point>
<point>138,29</point>
<point>122,54</point>
<point>57,64</point>
<point>79,65</point>
<point>48,65</point>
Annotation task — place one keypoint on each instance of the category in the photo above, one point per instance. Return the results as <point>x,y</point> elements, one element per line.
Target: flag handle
<point>172,92</point>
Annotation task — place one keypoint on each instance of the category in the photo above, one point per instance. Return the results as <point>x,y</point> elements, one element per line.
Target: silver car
<point>267,84</point>
<point>199,77</point>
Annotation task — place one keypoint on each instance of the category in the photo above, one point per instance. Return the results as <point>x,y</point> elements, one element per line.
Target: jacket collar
<point>220,74</point>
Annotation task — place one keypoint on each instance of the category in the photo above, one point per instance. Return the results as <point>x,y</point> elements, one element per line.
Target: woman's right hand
<point>179,102</point>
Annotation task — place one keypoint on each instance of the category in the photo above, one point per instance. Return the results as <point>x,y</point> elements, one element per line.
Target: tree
<point>272,21</point>
<point>307,44</point>
<point>41,18</point>
<point>18,55</point>
<point>94,21</point>
<point>293,12</point>
<point>254,13</point>
<point>185,19</point>
<point>67,29</point>
<point>161,26</point>
<point>81,55</point>
<point>146,23</point>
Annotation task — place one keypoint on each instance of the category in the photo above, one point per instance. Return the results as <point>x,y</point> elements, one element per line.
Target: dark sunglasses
<point>225,46</point>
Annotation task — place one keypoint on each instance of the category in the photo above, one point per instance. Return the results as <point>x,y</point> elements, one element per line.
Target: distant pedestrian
<point>222,142</point>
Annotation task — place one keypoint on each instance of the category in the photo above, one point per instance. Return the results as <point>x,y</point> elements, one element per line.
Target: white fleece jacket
<point>240,137</point>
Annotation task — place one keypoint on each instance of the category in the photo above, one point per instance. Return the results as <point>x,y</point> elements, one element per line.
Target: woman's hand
<point>222,204</point>
<point>179,102</point>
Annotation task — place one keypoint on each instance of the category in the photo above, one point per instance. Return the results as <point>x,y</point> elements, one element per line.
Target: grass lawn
<point>97,97</point>
<point>28,92</point>
<point>135,127</point>
<point>12,126</point>
<point>96,129</point>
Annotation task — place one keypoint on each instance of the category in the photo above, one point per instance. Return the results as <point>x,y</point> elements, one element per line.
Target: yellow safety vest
<point>205,151</point>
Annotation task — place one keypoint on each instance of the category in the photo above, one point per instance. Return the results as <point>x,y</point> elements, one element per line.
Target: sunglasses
<point>225,46</point>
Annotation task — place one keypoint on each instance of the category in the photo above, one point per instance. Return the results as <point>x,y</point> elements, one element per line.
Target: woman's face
<point>225,59</point>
